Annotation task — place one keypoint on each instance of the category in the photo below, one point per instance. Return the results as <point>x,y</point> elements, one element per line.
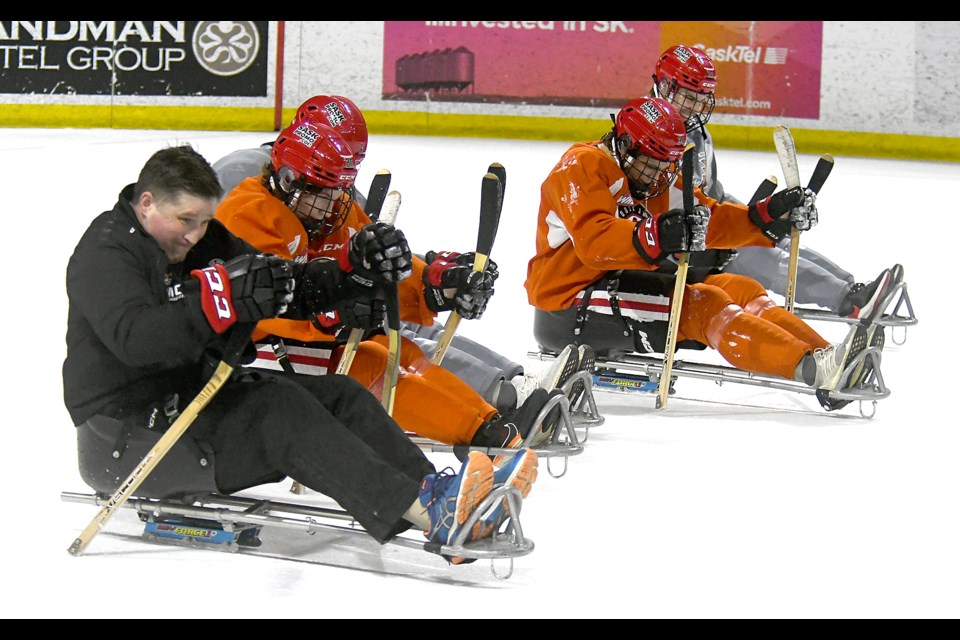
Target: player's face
<point>177,223</point>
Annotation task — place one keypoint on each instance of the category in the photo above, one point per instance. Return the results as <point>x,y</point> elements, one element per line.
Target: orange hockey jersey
<point>587,220</point>
<point>253,213</point>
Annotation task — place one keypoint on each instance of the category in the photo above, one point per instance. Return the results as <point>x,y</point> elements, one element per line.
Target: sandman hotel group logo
<point>225,48</point>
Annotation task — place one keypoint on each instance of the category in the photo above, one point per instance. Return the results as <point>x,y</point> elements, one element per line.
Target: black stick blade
<point>489,213</point>
<point>687,168</point>
<point>765,190</point>
<point>820,173</point>
<point>497,169</point>
<point>378,193</point>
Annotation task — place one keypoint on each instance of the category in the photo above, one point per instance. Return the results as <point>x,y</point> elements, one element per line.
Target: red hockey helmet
<point>314,169</point>
<point>651,127</point>
<point>689,67</point>
<point>314,154</point>
<point>687,77</point>
<point>649,137</point>
<point>343,116</point>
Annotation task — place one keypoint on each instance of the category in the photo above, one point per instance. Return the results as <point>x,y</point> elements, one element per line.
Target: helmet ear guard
<point>286,179</point>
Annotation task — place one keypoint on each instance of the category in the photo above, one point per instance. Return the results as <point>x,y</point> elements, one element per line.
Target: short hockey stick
<point>787,152</point>
<point>239,337</point>
<point>663,388</point>
<point>491,201</point>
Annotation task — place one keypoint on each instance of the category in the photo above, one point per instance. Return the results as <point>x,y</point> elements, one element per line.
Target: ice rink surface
<point>745,503</point>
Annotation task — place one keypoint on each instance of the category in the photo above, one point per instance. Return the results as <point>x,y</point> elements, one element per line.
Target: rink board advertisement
<point>134,58</point>
<point>763,68</point>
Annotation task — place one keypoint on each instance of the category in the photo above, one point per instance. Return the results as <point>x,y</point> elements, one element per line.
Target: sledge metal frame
<point>871,390</point>
<point>562,443</point>
<point>237,513</point>
<point>894,318</point>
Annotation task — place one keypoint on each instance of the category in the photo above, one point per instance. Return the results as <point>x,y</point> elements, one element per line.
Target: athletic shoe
<point>865,300</point>
<point>450,498</point>
<point>824,368</point>
<point>588,359</point>
<point>550,422</point>
<point>552,377</point>
<point>500,431</point>
<point>519,472</point>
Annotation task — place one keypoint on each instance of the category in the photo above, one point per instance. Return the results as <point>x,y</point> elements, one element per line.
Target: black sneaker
<point>549,422</point>
<point>866,301</point>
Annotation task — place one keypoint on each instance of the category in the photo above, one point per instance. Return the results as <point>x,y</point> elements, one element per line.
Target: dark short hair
<point>175,170</point>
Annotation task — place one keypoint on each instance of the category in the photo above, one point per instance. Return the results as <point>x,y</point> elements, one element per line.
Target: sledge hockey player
<point>686,77</point>
<point>607,221</point>
<point>154,285</point>
<point>500,381</point>
<point>299,208</point>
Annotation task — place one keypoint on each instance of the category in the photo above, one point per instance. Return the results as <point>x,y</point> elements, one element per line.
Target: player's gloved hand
<point>768,214</point>
<point>364,310</point>
<point>697,221</point>
<point>451,284</point>
<point>805,216</point>
<point>377,254</point>
<point>329,299</point>
<point>657,237</point>
<point>247,288</point>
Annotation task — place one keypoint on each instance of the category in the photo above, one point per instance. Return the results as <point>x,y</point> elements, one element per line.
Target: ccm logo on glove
<point>215,296</point>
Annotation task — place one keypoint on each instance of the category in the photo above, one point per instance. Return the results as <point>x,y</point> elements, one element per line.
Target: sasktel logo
<point>742,53</point>
<point>225,48</point>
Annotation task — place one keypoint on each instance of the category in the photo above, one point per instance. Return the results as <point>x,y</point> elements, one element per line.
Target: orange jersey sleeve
<point>579,235</point>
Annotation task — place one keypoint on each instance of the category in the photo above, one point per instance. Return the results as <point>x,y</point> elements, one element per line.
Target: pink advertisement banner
<point>763,68</point>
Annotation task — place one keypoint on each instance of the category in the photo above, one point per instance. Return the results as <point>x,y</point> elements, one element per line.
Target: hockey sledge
<point>235,523</point>
<point>640,374</point>
<point>901,316</point>
<point>562,442</point>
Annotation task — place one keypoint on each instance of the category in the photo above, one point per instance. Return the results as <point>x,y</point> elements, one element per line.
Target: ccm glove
<point>451,284</point>
<point>767,214</point>
<point>377,254</point>
<point>247,288</point>
<point>656,237</point>
<point>329,299</point>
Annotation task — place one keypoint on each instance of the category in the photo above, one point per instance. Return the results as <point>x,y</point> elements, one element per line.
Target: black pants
<point>326,432</point>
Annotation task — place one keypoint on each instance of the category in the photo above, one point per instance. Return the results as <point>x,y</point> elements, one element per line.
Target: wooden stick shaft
<point>679,286</point>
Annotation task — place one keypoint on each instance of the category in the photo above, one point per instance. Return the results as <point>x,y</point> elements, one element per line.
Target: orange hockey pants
<point>430,401</point>
<point>734,315</point>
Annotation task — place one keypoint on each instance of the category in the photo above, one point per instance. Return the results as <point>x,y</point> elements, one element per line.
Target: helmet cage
<point>647,177</point>
<point>322,210</point>
<point>693,106</point>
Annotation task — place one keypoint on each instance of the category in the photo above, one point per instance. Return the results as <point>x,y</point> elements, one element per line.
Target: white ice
<point>704,510</point>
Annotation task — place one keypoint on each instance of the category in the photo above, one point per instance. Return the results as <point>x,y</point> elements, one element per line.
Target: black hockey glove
<point>767,214</point>
<point>377,254</point>
<point>451,284</point>
<point>657,237</point>
<point>330,299</point>
<point>247,288</point>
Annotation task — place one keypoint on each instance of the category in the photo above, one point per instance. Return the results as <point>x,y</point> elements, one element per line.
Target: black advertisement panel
<point>134,58</point>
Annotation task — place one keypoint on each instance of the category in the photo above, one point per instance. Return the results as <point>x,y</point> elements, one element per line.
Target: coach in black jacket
<point>153,286</point>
